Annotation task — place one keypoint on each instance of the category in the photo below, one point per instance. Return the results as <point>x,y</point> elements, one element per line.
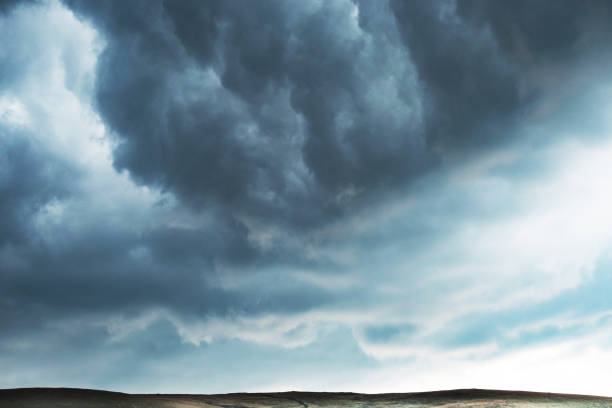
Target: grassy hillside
<point>73,398</point>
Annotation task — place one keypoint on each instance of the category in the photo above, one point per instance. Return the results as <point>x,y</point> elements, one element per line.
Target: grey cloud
<point>270,112</point>
<point>274,113</point>
<point>293,113</point>
<point>30,177</point>
<point>101,273</point>
<point>8,5</point>
<point>473,89</point>
<point>276,120</point>
<point>537,32</point>
<point>293,125</point>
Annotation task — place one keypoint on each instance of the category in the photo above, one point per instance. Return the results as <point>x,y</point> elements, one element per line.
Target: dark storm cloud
<point>269,112</point>
<point>272,119</point>
<point>472,89</point>
<point>294,132</point>
<point>94,266</point>
<point>7,5</point>
<point>30,177</point>
<point>115,272</point>
<point>541,31</point>
<point>484,65</point>
<point>293,124</point>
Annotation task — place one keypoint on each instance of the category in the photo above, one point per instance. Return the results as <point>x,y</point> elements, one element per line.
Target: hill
<point>82,398</point>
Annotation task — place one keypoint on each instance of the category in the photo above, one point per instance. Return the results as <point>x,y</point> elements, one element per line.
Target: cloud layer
<point>387,187</point>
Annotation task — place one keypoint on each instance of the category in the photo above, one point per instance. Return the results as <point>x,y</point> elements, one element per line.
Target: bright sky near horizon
<point>368,196</point>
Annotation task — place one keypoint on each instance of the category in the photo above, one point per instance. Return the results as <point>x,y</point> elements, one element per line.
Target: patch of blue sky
<point>575,312</point>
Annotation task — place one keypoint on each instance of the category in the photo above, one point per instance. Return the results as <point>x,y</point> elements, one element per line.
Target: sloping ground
<point>77,398</point>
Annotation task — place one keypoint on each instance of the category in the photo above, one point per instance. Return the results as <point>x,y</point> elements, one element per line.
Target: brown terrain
<point>73,398</point>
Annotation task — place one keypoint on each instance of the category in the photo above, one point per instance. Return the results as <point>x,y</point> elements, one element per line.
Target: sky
<point>347,195</point>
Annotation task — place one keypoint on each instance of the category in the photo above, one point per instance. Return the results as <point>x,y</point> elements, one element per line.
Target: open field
<point>76,398</point>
